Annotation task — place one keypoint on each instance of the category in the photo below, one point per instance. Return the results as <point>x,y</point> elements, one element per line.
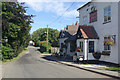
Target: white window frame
<point>108,47</point>
<point>107,13</point>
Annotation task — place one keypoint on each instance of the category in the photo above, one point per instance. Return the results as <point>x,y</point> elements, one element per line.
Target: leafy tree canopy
<point>40,35</point>
<point>16,25</point>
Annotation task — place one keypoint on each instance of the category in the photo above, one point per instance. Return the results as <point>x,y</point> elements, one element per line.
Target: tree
<point>16,25</point>
<point>40,35</point>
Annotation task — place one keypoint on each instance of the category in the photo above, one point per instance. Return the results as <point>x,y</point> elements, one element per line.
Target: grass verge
<point>46,53</point>
<point>21,54</point>
<point>113,68</point>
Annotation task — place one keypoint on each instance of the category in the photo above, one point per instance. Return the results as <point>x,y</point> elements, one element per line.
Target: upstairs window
<point>107,14</point>
<point>93,16</point>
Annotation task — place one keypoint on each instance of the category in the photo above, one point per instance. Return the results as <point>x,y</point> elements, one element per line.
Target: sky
<point>54,13</point>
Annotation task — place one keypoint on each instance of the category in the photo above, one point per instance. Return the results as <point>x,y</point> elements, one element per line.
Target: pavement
<point>35,65</point>
<point>96,68</point>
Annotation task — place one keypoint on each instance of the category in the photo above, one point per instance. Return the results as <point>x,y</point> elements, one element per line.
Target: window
<point>85,20</point>
<point>107,47</point>
<point>93,16</point>
<point>81,46</point>
<point>91,46</point>
<point>107,14</point>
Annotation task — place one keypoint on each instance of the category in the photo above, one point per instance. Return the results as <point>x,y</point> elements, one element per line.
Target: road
<point>32,65</point>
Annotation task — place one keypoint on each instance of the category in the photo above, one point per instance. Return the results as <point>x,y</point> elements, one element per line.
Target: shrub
<point>49,50</point>
<point>43,49</point>
<point>7,52</point>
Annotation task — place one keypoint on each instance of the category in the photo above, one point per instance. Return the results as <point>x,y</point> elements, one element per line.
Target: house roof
<point>84,5</point>
<point>64,34</point>
<point>72,38</point>
<point>69,30</point>
<point>72,29</point>
<point>88,32</point>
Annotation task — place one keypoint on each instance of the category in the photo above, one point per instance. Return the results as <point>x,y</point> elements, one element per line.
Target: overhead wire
<point>62,14</point>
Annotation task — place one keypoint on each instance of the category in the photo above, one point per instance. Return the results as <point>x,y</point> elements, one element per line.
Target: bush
<point>43,49</point>
<point>49,50</point>
<point>7,52</point>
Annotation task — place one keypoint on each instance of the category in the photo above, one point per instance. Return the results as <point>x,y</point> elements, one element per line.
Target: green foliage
<point>44,47</point>
<point>7,52</point>
<point>40,35</point>
<point>15,26</point>
<point>113,68</point>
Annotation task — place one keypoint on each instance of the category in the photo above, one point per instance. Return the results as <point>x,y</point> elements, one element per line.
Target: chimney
<point>65,29</point>
<point>77,23</point>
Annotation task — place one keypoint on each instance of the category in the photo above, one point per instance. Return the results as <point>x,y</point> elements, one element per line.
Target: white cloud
<point>54,0</point>
<point>53,6</point>
<point>72,13</point>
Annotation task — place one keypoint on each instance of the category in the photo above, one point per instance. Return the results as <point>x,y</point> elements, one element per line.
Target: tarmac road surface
<point>32,65</point>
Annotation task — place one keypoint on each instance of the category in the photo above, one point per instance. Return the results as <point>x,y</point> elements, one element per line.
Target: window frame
<point>93,47</point>
<point>107,47</point>
<point>106,14</point>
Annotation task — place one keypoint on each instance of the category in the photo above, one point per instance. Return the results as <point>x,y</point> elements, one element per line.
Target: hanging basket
<point>79,50</point>
<point>106,53</point>
<point>109,42</point>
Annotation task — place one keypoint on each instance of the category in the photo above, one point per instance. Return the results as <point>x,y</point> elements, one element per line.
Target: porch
<point>86,40</point>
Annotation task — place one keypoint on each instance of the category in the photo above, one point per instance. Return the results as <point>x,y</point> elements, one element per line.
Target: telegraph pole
<point>47,37</point>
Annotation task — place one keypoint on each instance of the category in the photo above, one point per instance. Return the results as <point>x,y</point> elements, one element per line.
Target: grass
<point>86,64</point>
<point>113,68</point>
<point>21,54</point>
<point>46,53</point>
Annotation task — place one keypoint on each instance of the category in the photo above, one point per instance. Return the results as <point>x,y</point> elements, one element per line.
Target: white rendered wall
<point>119,33</point>
<point>61,40</point>
<point>104,29</point>
<point>68,50</point>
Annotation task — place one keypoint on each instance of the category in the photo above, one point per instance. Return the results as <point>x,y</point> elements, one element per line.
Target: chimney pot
<point>77,23</point>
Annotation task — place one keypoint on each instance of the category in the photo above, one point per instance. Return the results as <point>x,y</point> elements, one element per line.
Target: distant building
<point>65,44</point>
<point>31,43</point>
